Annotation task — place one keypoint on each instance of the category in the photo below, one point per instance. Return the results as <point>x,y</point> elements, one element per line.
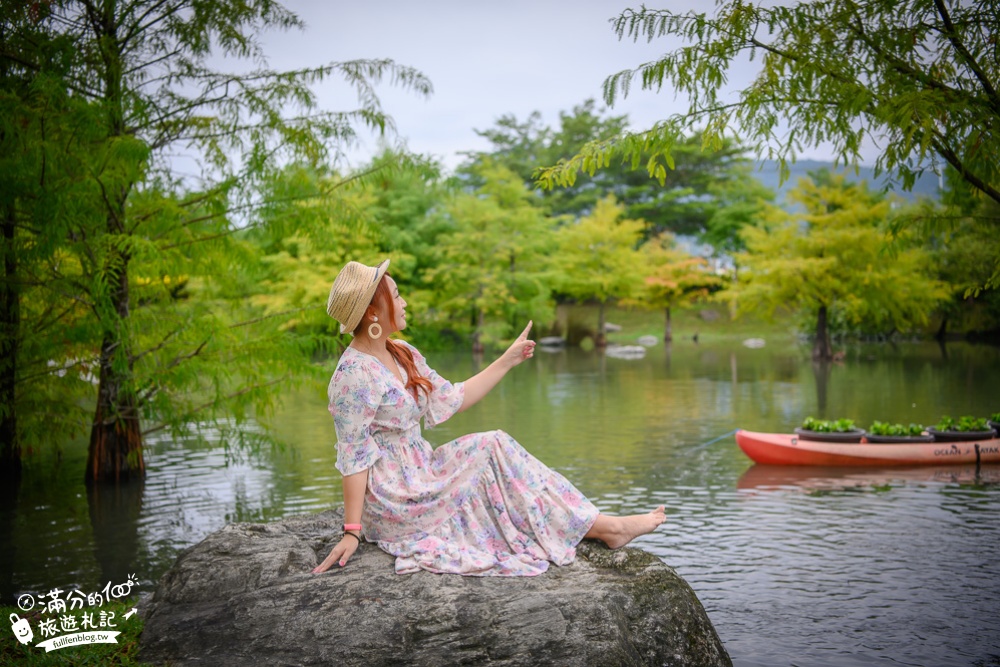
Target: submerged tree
<point>674,278</point>
<point>597,259</point>
<point>146,67</point>
<point>46,133</point>
<point>829,260</point>
<point>492,263</point>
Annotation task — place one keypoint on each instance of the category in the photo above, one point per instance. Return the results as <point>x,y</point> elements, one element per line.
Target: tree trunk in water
<point>942,331</point>
<point>10,332</point>
<point>10,554</point>
<point>821,374</point>
<point>601,340</point>
<point>733,308</point>
<point>477,343</point>
<point>668,332</point>
<point>115,452</point>
<point>822,350</point>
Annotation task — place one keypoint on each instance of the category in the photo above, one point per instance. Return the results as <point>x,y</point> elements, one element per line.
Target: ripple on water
<point>816,567</point>
<point>901,575</point>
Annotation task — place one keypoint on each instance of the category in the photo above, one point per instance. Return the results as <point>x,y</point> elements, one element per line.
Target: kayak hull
<point>789,449</point>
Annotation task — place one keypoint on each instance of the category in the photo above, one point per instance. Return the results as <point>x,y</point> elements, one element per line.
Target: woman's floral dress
<point>479,505</point>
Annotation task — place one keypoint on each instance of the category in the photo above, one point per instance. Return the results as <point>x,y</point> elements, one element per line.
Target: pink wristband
<point>352,526</point>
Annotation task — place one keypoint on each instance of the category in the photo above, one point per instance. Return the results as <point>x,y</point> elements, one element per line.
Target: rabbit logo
<point>21,628</point>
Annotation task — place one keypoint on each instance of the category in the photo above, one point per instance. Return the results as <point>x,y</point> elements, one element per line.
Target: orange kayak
<point>789,449</point>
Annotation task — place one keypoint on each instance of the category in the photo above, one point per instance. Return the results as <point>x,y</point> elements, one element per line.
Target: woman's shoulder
<point>409,346</point>
<point>352,367</point>
<point>356,376</point>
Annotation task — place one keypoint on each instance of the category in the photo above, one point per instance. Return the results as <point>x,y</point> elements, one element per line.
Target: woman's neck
<point>374,347</point>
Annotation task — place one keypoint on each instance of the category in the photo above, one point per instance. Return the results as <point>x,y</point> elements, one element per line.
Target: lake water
<point>805,567</point>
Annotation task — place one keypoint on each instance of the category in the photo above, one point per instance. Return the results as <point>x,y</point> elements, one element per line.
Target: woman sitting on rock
<point>479,505</point>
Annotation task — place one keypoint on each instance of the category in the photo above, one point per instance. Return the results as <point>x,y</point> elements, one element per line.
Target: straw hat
<point>351,293</point>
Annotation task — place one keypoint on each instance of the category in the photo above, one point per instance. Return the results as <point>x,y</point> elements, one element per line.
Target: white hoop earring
<point>374,329</point>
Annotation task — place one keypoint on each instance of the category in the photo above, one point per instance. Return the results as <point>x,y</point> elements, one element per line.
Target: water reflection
<point>795,566</point>
<point>114,519</point>
<point>826,478</point>
<point>10,490</point>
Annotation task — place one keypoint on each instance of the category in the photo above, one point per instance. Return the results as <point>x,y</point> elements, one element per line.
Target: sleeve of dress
<point>445,399</point>
<point>354,398</point>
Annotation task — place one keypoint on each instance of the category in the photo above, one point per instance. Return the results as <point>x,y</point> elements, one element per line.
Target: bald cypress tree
<point>826,261</point>
<point>152,72</point>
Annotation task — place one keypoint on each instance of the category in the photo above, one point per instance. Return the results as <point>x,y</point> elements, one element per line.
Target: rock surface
<point>245,596</point>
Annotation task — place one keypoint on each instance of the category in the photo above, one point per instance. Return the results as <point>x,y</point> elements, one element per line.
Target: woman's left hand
<point>520,349</point>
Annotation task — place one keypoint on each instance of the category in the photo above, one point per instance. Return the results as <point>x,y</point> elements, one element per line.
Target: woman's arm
<point>355,487</point>
<point>480,384</point>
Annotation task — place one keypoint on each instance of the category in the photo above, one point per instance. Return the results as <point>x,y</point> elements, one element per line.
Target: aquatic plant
<point>828,426</point>
<point>964,424</point>
<point>884,428</point>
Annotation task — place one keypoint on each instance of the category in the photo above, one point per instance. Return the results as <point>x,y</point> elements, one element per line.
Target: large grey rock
<point>245,596</point>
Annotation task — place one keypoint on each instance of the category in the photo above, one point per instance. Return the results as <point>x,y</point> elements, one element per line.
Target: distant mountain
<point>926,186</point>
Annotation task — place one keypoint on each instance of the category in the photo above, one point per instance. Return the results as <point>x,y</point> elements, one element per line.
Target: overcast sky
<point>484,59</point>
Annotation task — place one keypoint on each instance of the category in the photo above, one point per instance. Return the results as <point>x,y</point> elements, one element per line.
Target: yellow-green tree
<point>674,278</point>
<point>829,258</point>
<point>306,236</point>
<point>492,264</point>
<point>597,258</point>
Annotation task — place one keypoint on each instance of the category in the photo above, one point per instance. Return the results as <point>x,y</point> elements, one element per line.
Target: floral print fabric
<point>478,505</point>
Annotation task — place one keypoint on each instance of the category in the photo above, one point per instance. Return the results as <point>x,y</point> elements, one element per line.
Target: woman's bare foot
<point>617,531</point>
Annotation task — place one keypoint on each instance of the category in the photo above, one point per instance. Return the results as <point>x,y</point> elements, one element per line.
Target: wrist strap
<point>355,537</point>
<point>352,526</point>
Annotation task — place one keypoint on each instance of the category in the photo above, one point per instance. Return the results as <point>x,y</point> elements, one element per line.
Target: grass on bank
<point>122,654</point>
<point>710,323</point>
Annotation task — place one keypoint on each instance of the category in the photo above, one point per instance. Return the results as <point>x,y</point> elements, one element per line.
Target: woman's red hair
<point>384,302</point>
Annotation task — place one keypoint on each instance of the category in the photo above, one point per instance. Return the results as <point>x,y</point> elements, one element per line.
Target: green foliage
<point>315,221</point>
<point>682,202</point>
<point>884,428</point>
<point>830,256</point>
<point>921,76</point>
<point>597,256</point>
<point>740,202</point>
<point>963,424</point>
<point>966,256</point>
<point>47,155</point>
<point>143,279</point>
<point>311,225</point>
<point>490,274</point>
<point>403,200</point>
<point>828,426</point>
<point>524,146</point>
